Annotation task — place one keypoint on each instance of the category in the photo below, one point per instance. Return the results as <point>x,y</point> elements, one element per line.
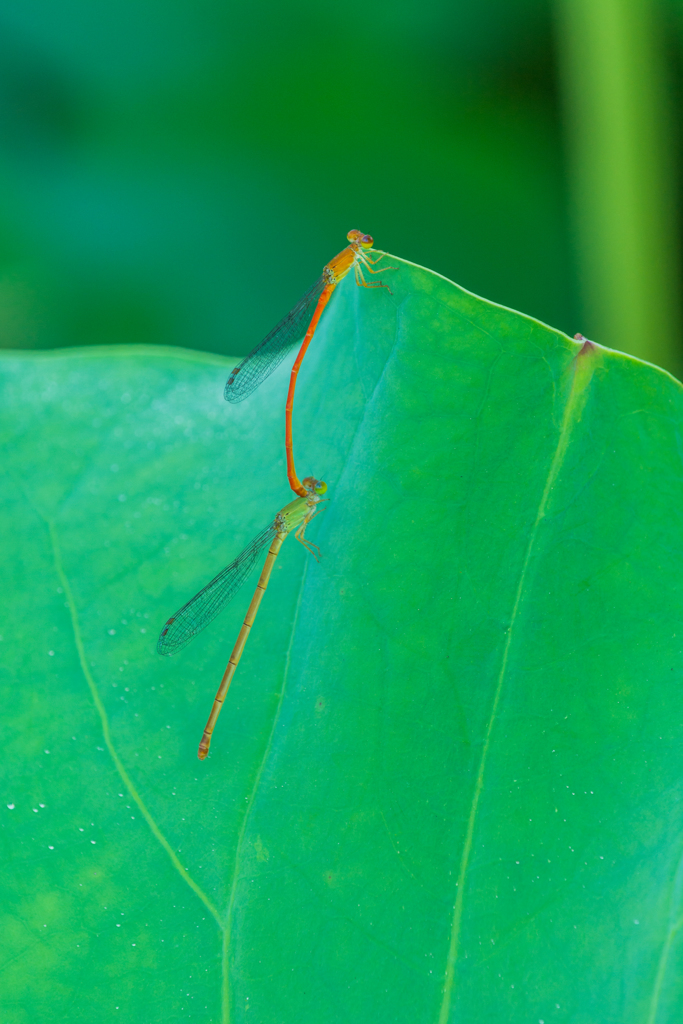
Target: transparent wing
<point>262,360</point>
<point>205,606</point>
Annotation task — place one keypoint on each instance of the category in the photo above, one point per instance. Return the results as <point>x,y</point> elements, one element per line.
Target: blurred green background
<point>178,172</point>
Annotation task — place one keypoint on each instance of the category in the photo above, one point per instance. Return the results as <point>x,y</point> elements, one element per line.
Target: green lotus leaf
<point>446,782</point>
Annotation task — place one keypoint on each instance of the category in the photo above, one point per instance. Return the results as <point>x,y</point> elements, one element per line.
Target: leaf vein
<point>581,377</point>
<point>106,732</point>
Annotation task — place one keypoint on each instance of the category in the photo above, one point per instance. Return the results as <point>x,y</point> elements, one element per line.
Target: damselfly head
<point>314,486</point>
<point>358,238</point>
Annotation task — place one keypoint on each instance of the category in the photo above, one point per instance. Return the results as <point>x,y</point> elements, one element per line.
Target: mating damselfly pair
<point>294,517</point>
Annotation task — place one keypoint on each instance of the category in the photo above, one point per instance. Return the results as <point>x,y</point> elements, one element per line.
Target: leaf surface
<point>445,786</point>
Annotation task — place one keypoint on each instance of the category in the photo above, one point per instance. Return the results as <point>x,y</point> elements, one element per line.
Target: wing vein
<point>268,355</point>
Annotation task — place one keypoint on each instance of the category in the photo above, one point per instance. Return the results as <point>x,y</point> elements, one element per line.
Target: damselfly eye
<point>354,235</point>
<point>366,241</point>
<point>320,487</point>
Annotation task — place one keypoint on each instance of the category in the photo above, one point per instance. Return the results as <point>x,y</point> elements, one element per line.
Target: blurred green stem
<point>622,168</point>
